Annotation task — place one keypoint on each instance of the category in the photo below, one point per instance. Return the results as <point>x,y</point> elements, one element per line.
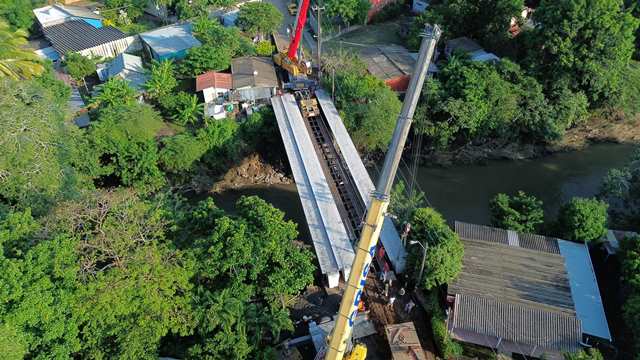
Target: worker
<point>392,299</point>
<point>409,306</point>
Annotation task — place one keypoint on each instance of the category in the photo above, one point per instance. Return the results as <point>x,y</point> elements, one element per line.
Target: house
<point>77,29</point>
<point>169,42</point>
<point>254,78</point>
<point>404,342</point>
<point>56,14</point>
<point>469,47</point>
<point>213,85</point>
<point>524,294</point>
<point>419,6</point>
<point>392,64</point>
<point>127,67</point>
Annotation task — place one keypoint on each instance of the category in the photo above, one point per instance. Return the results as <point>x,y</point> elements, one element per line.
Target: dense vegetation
<point>520,212</point>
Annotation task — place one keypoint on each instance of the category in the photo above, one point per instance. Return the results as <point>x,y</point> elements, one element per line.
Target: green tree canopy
<point>259,18</point>
<point>583,220</point>
<point>115,91</point>
<point>162,79</point>
<point>584,44</point>
<point>19,13</point>
<point>205,58</point>
<point>590,354</point>
<point>350,11</point>
<point>79,66</point>
<point>16,61</point>
<point>185,109</point>
<point>444,248</point>
<point>122,145</point>
<point>367,105</point>
<point>485,20</point>
<point>36,143</point>
<point>621,190</point>
<point>180,152</point>
<point>520,212</point>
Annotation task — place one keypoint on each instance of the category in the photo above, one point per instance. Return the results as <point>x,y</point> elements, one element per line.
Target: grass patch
<point>376,34</point>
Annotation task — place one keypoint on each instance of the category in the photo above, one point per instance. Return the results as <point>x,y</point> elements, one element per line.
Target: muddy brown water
<point>463,192</point>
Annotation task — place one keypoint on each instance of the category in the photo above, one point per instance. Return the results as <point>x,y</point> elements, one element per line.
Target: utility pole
<point>318,9</point>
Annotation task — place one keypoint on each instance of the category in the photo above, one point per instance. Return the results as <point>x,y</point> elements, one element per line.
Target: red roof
<point>213,79</point>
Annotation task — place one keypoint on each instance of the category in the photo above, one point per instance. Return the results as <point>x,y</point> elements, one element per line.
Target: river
<point>463,192</point>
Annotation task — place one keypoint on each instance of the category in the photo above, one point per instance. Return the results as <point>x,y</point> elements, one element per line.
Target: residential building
<point>469,47</point>
<point>214,85</point>
<point>254,78</point>
<point>169,42</point>
<point>56,14</point>
<point>392,64</point>
<point>78,29</point>
<point>127,67</point>
<point>419,6</point>
<point>525,294</point>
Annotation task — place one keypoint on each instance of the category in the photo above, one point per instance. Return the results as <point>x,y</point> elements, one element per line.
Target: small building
<point>169,42</point>
<point>214,85</point>
<point>127,67</point>
<point>81,37</point>
<point>56,14</point>
<point>419,6</point>
<point>469,47</point>
<point>525,294</point>
<point>404,342</point>
<point>254,78</point>
<point>392,64</point>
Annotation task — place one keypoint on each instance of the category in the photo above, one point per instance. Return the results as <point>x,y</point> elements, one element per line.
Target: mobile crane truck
<point>288,59</point>
<point>377,208</point>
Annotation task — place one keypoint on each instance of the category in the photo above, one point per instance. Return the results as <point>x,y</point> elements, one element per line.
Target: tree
<point>79,67</point>
<point>583,220</point>
<point>180,152</point>
<point>485,20</point>
<point>115,91</point>
<point>264,48</point>
<point>621,190</point>
<point>348,10</point>
<point>186,109</point>
<point>162,79</point>
<point>123,144</point>
<point>259,18</point>
<point>585,44</point>
<point>368,106</point>
<point>18,13</point>
<point>127,10</point>
<point>205,58</point>
<point>403,204</point>
<point>444,248</point>
<point>35,169</point>
<point>16,61</point>
<point>188,9</point>
<point>521,212</point>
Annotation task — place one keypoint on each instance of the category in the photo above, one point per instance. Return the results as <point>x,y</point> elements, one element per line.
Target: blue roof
<point>584,289</point>
<point>170,39</point>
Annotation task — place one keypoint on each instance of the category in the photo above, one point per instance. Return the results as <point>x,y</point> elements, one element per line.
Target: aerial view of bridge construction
<point>320,179</point>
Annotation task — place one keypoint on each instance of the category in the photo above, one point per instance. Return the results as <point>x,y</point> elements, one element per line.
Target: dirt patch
<point>615,128</point>
<point>253,170</point>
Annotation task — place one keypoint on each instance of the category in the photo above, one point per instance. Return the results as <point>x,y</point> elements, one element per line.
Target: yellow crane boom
<point>379,203</point>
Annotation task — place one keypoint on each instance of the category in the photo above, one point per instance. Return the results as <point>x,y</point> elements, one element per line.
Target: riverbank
<point>251,171</point>
<point>596,130</point>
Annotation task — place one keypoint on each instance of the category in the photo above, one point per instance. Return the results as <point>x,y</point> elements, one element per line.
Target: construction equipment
<point>289,60</point>
<point>359,352</point>
<point>379,202</point>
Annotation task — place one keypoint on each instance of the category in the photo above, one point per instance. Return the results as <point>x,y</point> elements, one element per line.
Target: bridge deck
<point>389,235</point>
<point>330,239</point>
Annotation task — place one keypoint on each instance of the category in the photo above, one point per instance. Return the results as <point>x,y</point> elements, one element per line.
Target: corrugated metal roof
<point>404,342</point>
<point>212,79</point>
<point>170,39</point>
<point>253,71</point>
<point>389,235</point>
<point>584,287</point>
<point>77,35</point>
<point>54,14</point>
<point>388,62</point>
<point>517,323</point>
<point>501,236</point>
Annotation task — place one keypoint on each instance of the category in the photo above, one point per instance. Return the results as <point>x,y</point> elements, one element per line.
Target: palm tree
<point>16,61</point>
<point>187,109</point>
<point>162,80</point>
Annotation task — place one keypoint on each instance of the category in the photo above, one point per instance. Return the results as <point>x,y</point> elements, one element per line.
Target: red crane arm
<point>302,19</point>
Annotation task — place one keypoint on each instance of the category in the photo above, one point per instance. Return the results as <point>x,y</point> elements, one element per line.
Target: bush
<point>521,212</point>
<point>448,347</point>
<point>180,152</point>
<point>264,48</point>
<point>583,220</point>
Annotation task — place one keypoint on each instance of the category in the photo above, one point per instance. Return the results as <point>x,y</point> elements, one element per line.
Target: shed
<point>392,64</point>
<point>78,36</point>
<point>524,293</point>
<point>170,42</point>
<point>254,78</point>
<point>127,67</point>
<point>404,342</point>
<point>469,47</point>
<point>213,85</point>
